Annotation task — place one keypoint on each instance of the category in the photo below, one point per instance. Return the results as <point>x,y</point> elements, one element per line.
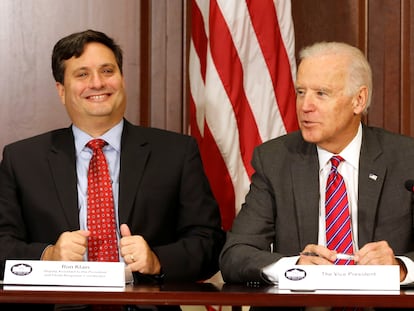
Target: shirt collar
<point>112,137</point>
<point>350,153</point>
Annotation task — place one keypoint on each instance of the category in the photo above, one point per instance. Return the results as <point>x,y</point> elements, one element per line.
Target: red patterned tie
<point>338,220</point>
<point>102,243</point>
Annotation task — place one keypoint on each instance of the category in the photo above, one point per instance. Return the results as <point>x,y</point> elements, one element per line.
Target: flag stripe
<point>264,18</point>
<point>209,150</point>
<point>231,74</point>
<point>257,82</point>
<point>199,38</point>
<point>219,116</point>
<point>211,155</point>
<point>241,88</point>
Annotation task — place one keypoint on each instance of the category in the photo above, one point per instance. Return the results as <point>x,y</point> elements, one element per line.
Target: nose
<point>96,81</point>
<point>305,102</point>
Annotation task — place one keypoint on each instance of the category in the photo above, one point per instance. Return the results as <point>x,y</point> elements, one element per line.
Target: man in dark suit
<point>168,222</point>
<point>284,212</point>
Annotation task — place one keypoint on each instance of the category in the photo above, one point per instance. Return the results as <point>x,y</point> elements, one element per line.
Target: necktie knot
<point>335,161</point>
<point>96,144</point>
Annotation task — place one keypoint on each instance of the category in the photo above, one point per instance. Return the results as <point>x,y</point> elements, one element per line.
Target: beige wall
<point>155,34</point>
<point>28,31</point>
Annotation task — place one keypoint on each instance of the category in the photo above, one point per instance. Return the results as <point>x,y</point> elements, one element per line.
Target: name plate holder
<point>340,277</point>
<point>40,274</point>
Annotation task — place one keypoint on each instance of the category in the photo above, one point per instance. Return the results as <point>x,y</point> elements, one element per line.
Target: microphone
<point>409,185</point>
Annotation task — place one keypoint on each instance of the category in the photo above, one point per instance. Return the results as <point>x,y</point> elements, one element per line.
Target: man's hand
<point>379,253</point>
<point>314,254</point>
<point>71,246</point>
<point>137,253</point>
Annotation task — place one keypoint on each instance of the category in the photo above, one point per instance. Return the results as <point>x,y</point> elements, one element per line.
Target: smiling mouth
<point>98,97</point>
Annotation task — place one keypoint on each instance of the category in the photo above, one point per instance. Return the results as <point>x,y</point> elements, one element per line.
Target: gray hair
<point>359,70</point>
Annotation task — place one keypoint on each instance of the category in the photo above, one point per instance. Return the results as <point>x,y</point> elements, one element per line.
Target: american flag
<point>241,72</point>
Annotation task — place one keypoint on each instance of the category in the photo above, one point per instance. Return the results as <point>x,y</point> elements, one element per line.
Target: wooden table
<point>211,294</point>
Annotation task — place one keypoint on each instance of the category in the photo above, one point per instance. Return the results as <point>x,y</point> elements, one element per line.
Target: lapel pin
<point>372,176</point>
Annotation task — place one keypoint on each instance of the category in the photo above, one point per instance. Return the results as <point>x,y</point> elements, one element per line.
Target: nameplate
<point>340,277</point>
<point>64,273</point>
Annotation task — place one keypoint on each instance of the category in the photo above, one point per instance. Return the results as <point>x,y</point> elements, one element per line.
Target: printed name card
<point>340,277</point>
<point>64,273</point>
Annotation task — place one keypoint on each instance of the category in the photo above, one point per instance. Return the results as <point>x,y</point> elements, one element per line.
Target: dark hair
<point>74,45</point>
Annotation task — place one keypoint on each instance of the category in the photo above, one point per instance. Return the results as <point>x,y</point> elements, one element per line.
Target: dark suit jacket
<point>282,205</point>
<point>164,196</point>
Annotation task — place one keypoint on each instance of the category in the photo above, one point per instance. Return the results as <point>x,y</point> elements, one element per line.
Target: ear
<point>359,102</point>
<point>123,82</point>
<point>61,91</point>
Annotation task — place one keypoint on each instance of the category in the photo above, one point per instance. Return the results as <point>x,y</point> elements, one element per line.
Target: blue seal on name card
<point>295,274</point>
<point>21,269</point>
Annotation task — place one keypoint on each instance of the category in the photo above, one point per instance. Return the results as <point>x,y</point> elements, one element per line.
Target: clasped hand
<point>72,246</point>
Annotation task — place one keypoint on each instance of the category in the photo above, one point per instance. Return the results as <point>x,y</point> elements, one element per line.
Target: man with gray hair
<point>286,215</point>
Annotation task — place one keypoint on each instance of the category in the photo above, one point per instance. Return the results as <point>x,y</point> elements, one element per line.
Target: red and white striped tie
<point>338,219</point>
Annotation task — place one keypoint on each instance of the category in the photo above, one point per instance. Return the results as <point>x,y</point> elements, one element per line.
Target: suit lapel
<point>135,151</point>
<point>305,175</point>
<point>371,177</point>
<point>62,163</point>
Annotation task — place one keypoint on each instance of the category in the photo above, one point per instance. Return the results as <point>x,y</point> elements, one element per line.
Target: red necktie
<point>102,243</point>
<point>338,219</point>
